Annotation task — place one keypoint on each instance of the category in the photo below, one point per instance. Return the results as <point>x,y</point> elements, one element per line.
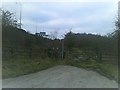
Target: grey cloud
<point>83,17</point>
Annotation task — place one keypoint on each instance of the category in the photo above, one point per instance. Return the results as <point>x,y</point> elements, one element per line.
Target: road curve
<point>61,77</point>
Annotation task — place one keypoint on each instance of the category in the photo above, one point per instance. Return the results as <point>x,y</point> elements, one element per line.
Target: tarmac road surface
<point>61,77</point>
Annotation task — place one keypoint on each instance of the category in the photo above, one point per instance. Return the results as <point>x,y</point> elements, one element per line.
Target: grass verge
<point>109,70</point>
<point>13,68</point>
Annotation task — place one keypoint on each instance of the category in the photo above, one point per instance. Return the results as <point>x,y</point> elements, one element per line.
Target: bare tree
<point>8,18</point>
<point>54,35</point>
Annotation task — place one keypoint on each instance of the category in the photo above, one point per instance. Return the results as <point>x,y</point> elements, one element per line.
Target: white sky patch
<point>29,8</point>
<point>61,22</point>
<point>89,17</point>
<point>61,0</point>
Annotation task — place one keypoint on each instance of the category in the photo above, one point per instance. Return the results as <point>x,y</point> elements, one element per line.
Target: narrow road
<point>61,77</point>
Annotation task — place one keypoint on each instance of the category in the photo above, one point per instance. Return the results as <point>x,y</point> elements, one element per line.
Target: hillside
<point>22,50</point>
<point>16,42</point>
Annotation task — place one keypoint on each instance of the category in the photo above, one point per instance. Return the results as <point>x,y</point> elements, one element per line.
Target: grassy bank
<point>13,68</point>
<point>106,69</point>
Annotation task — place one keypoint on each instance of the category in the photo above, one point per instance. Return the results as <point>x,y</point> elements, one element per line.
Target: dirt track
<point>61,77</point>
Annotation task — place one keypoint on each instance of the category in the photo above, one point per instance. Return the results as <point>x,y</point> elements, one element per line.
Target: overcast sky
<point>89,17</point>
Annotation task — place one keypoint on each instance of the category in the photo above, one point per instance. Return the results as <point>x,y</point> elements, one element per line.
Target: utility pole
<point>36,27</point>
<point>62,48</point>
<point>62,41</point>
<point>20,13</point>
<point>119,12</point>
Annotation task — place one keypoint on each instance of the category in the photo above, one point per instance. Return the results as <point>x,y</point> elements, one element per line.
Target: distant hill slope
<point>15,39</point>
